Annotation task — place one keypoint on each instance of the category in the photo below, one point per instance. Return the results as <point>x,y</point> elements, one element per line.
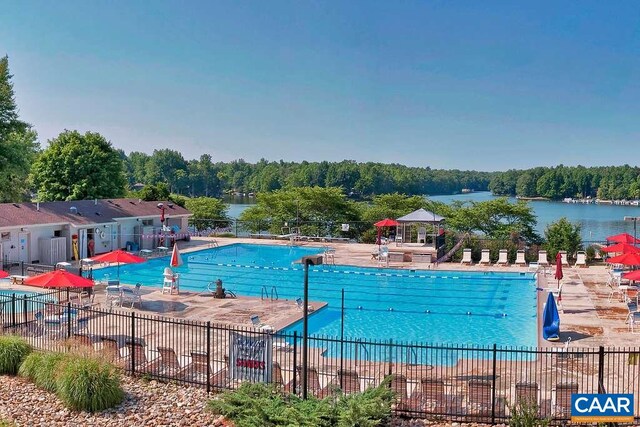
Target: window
<point>5,236</point>
<point>146,222</point>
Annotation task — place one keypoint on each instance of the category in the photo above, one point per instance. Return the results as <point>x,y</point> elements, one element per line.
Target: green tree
<point>18,143</point>
<point>152,192</point>
<point>562,235</point>
<point>77,166</point>
<point>208,212</point>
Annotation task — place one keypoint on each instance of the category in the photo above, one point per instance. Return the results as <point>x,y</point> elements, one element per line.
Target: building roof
<point>86,212</point>
<point>421,215</point>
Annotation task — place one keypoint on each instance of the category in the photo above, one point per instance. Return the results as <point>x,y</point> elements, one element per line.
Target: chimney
<point>38,206</point>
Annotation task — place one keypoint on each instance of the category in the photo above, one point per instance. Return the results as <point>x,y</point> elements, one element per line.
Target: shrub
<point>89,384</point>
<point>526,414</point>
<point>13,350</point>
<point>42,369</point>
<point>254,405</point>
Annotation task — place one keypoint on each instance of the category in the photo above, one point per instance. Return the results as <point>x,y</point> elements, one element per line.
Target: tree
<point>562,235</point>
<point>208,212</point>
<point>150,192</point>
<point>77,166</point>
<point>18,143</point>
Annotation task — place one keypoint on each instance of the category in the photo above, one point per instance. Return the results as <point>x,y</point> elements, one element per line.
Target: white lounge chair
<point>131,296</point>
<point>255,321</point>
<point>466,257</point>
<point>520,259</point>
<point>581,259</point>
<point>300,304</point>
<point>564,258</point>
<point>485,257</point>
<point>503,258</point>
<point>542,259</point>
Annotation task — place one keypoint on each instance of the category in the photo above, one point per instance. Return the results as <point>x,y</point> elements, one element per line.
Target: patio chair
<point>139,353</point>
<point>466,256</point>
<point>485,257</point>
<point>313,383</point>
<point>562,403</point>
<point>399,387</point>
<point>431,397</point>
<point>221,379</point>
<point>542,259</point>
<point>479,397</point>
<point>82,341</point>
<point>348,381</point>
<point>167,363</point>
<point>132,296</point>
<point>196,371</point>
<point>278,379</point>
<point>53,328</point>
<point>255,321</point>
<point>422,235</point>
<point>113,296</point>
<point>520,258</point>
<point>110,349</point>
<point>581,259</point>
<point>564,258</point>
<point>300,305</point>
<point>527,393</point>
<point>503,258</point>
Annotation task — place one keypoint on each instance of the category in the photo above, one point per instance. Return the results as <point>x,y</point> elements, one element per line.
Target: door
<point>23,247</point>
<point>82,243</point>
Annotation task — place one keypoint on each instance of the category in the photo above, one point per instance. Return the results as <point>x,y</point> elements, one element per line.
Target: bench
<point>18,280</point>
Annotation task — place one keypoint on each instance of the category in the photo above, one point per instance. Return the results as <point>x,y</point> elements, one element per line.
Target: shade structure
<point>632,275</point>
<point>623,238</point>
<point>558,275</point>
<point>176,259</point>
<point>387,222</point>
<point>120,257</point>
<point>59,279</point>
<point>621,248</point>
<point>550,320</point>
<point>625,259</point>
<point>3,274</point>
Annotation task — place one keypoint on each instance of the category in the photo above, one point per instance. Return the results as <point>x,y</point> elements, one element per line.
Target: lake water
<point>597,221</point>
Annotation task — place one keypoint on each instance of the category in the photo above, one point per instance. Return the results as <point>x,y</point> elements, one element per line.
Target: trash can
<point>129,246</point>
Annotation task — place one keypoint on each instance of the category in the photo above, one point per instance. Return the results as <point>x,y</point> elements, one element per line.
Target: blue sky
<point>486,85</point>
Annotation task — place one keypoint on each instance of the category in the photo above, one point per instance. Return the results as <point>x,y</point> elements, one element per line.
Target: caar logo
<point>602,408</point>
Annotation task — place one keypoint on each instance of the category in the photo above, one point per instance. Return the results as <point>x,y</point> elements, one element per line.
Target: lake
<point>597,221</point>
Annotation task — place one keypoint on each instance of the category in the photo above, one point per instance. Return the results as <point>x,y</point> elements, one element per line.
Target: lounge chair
<point>132,296</point>
<point>479,397</point>
<point>485,257</point>
<point>82,341</point>
<point>520,258</point>
<point>562,404</point>
<point>255,321</point>
<point>431,397</point>
<point>399,387</point>
<point>278,379</point>
<point>564,258</point>
<point>300,305</point>
<point>313,383</point>
<point>110,349</point>
<point>466,257</point>
<point>166,365</point>
<point>527,394</point>
<point>198,370</point>
<point>221,379</point>
<point>581,259</point>
<point>503,258</point>
<point>140,360</point>
<point>348,381</point>
<point>542,259</point>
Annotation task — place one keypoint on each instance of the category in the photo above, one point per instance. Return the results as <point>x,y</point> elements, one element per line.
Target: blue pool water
<point>34,301</point>
<point>426,306</point>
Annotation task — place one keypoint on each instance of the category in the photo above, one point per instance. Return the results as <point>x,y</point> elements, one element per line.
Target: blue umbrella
<point>550,320</point>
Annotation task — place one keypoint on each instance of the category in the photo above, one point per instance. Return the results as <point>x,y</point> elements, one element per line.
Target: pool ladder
<point>360,346</point>
<point>273,295</point>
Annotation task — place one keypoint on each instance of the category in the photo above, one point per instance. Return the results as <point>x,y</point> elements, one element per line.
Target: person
<point>92,247</point>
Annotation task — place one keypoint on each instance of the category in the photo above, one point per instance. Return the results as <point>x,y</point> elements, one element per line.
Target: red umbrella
<point>3,274</point>
<point>623,248</point>
<point>623,238</point>
<point>625,259</point>
<point>558,274</point>
<point>387,222</point>
<point>58,279</point>
<point>632,275</point>
<point>176,259</point>
<point>119,256</point>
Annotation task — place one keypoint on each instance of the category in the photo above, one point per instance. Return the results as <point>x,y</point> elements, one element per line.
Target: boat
<point>550,320</point>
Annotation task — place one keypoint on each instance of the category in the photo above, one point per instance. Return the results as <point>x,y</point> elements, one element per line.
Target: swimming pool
<point>425,306</point>
<point>33,300</point>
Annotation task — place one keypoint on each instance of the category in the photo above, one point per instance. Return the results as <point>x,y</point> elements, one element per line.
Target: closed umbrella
<point>625,259</point>
<point>120,257</point>
<point>176,259</point>
<point>623,238</point>
<point>58,279</point>
<point>558,274</point>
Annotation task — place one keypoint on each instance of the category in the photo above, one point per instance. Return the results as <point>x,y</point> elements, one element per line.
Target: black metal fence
<point>458,383</point>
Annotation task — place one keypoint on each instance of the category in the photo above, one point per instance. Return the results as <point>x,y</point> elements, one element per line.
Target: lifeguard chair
<point>170,282</point>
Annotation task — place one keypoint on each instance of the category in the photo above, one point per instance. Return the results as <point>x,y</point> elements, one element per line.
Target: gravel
<point>147,403</point>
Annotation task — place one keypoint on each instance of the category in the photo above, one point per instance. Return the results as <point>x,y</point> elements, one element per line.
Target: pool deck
<point>588,318</point>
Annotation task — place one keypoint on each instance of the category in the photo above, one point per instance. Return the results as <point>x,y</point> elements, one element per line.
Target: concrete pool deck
<point>588,318</point>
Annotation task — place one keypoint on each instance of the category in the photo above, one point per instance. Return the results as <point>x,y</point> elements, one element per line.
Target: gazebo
<point>420,218</point>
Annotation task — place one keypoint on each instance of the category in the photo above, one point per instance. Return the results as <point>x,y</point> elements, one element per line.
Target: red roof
<point>86,212</point>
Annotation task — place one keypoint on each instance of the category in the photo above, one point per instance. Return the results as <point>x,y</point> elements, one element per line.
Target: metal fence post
<point>13,310</point>
<point>390,356</point>
<point>132,347</point>
<point>208,356</point>
<point>24,309</point>
<point>493,385</point>
<point>295,361</point>
<point>601,388</point>
<point>68,318</point>
<point>22,268</point>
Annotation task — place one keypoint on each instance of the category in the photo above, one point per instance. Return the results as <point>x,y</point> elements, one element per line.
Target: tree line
<point>556,183</point>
